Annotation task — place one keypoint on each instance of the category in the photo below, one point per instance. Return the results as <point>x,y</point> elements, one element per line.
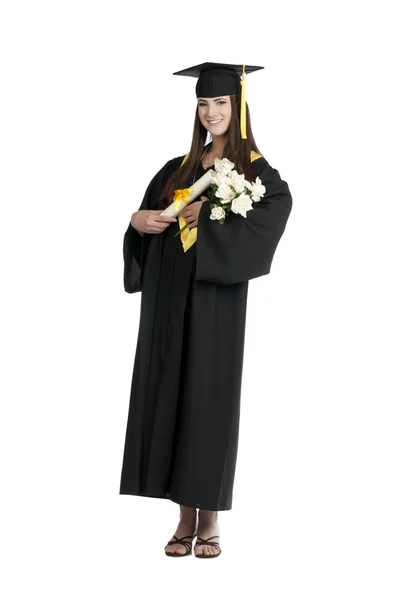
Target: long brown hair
<point>236,149</point>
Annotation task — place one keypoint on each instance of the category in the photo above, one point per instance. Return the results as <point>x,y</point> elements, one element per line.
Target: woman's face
<point>215,114</point>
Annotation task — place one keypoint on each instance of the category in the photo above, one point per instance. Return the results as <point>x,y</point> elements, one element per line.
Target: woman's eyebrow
<point>215,99</point>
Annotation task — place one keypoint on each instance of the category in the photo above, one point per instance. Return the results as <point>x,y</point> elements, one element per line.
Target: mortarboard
<point>221,79</point>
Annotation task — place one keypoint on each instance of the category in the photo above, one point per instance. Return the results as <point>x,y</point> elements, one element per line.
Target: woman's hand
<point>191,212</point>
<point>150,221</point>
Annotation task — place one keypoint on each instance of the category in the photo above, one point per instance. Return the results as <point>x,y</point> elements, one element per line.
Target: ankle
<point>208,516</point>
<point>188,514</point>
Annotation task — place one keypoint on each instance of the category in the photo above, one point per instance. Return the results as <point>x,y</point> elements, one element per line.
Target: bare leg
<point>187,526</point>
<point>207,527</point>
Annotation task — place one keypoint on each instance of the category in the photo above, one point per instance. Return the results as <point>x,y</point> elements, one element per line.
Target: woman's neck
<point>217,146</point>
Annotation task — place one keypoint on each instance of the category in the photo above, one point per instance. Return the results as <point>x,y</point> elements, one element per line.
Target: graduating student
<point>183,423</point>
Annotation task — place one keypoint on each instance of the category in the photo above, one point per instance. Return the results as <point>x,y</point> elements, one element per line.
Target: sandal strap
<point>214,544</point>
<point>182,538</point>
<point>206,542</point>
<point>186,543</point>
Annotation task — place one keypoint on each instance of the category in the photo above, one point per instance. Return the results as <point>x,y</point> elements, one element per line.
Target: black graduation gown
<point>183,423</point>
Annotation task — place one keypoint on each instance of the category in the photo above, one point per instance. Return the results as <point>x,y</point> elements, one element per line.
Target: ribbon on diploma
<point>180,195</point>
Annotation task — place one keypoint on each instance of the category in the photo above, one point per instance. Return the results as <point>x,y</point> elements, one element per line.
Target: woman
<point>183,423</point>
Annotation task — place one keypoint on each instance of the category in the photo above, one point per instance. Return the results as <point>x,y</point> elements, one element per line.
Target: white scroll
<point>197,188</point>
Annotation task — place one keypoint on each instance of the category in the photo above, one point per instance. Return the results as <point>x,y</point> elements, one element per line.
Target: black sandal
<point>186,543</point>
<point>201,542</point>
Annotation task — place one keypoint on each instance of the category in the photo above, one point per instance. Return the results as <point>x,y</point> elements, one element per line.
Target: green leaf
<point>184,227</point>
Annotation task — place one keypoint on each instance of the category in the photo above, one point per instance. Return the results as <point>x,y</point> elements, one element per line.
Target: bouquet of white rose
<point>230,191</point>
<point>227,191</point>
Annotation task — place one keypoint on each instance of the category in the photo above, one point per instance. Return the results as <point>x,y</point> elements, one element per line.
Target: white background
<point>90,112</point>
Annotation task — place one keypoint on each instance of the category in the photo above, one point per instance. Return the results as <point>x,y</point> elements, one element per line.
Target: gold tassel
<point>243,106</point>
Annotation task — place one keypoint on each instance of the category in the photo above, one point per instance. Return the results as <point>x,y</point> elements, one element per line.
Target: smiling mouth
<point>214,122</point>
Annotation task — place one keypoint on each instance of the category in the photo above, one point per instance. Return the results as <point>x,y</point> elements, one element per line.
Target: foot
<point>187,526</point>
<point>208,526</point>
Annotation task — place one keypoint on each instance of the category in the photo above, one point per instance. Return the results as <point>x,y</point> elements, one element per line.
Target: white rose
<point>241,204</point>
<point>220,179</point>
<point>226,193</point>
<point>258,190</point>
<point>223,166</point>
<point>236,181</point>
<point>217,213</point>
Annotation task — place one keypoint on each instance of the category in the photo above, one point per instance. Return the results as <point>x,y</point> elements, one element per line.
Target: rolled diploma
<point>198,188</point>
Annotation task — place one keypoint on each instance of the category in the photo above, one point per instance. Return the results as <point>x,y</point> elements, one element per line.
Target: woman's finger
<point>164,219</point>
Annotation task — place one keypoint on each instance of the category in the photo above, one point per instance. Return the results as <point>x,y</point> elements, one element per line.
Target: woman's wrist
<point>133,222</point>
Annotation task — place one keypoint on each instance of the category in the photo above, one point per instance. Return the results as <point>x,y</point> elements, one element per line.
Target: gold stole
<point>189,236</point>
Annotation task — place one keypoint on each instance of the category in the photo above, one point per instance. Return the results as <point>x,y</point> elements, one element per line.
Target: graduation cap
<point>221,79</point>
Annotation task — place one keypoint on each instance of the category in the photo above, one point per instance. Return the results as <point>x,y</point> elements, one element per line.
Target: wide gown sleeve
<point>135,245</point>
<point>242,248</point>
